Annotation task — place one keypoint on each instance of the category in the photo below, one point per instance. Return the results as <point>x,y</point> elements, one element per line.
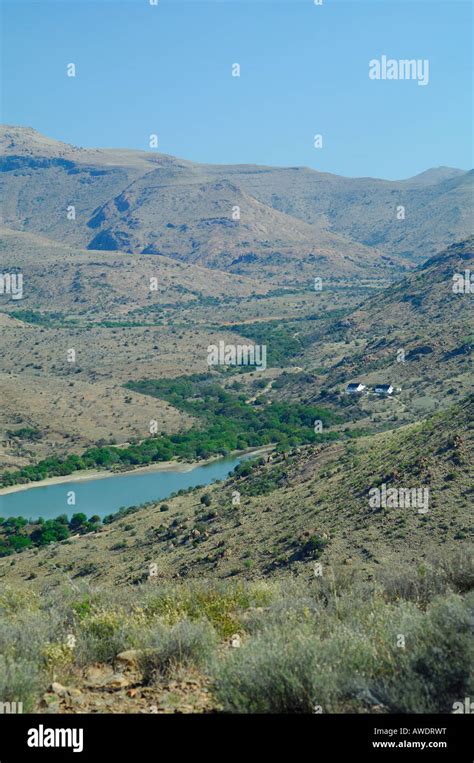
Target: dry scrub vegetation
<point>331,644</point>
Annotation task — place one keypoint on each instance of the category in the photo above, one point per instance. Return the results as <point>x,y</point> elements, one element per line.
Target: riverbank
<point>162,466</point>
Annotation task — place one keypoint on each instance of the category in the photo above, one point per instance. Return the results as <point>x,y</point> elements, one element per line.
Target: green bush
<point>102,636</point>
<point>314,547</point>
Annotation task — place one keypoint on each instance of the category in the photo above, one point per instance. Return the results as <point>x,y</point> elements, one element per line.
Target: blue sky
<point>166,69</point>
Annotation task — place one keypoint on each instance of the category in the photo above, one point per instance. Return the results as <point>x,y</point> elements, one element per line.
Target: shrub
<point>185,645</point>
<point>23,636</point>
<point>58,658</point>
<point>453,572</point>
<point>348,658</point>
<point>437,663</point>
<point>220,604</point>
<point>20,681</point>
<point>14,600</point>
<point>314,547</point>
<point>87,569</point>
<point>102,636</point>
<point>273,673</point>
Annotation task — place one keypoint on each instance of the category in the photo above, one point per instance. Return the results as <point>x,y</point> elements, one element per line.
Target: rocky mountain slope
<point>416,334</point>
<point>243,218</point>
<point>293,511</point>
<point>109,285</point>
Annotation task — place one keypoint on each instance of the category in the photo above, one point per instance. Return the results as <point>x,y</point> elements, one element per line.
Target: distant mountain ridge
<point>241,218</point>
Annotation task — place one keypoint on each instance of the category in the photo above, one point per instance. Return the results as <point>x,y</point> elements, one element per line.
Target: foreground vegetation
<point>331,643</point>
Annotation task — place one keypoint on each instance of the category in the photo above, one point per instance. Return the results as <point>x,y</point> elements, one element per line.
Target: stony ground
<point>102,689</point>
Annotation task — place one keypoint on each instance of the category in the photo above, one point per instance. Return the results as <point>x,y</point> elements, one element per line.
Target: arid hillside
<point>281,222</point>
<point>417,334</point>
<point>293,511</point>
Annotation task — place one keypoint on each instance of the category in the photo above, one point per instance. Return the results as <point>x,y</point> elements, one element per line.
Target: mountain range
<point>285,224</point>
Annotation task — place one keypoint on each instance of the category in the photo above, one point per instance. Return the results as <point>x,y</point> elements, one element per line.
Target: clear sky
<point>166,69</point>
